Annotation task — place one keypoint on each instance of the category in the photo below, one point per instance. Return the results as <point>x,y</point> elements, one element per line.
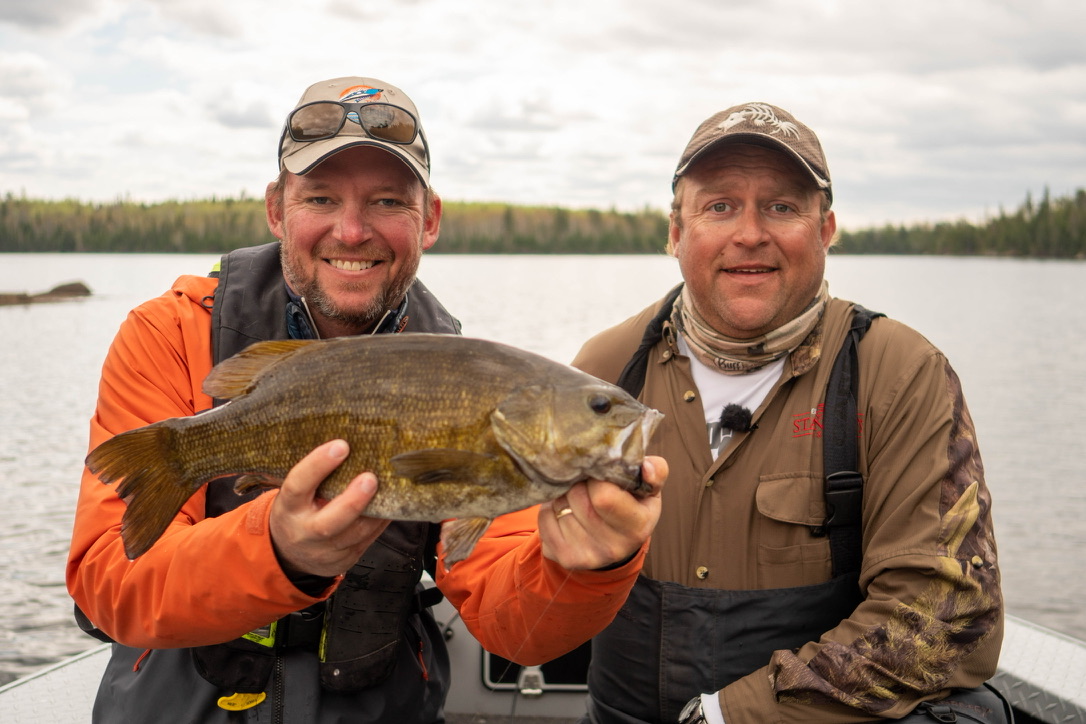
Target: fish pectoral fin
<point>238,375</point>
<point>255,481</point>
<point>442,465</point>
<point>460,536</point>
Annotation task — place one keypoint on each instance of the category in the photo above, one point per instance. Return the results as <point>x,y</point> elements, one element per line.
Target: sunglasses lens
<point>387,123</point>
<point>316,121</point>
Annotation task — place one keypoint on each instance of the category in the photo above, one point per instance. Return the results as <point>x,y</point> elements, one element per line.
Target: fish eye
<point>599,404</point>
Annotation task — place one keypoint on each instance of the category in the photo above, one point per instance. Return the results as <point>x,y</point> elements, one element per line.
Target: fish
<point>454,427</point>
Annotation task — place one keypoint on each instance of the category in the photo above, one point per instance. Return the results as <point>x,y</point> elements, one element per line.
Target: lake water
<point>1014,330</point>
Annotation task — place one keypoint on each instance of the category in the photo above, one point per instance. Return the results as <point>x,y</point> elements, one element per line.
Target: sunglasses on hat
<point>325,119</point>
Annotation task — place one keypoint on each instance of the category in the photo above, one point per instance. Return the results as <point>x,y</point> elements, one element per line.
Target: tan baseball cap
<point>761,124</point>
<point>300,157</point>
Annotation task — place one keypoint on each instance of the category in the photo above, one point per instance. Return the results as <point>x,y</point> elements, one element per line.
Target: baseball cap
<point>760,124</point>
<point>300,157</point>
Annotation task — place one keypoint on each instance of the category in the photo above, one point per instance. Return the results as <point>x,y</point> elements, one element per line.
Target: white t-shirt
<point>718,390</point>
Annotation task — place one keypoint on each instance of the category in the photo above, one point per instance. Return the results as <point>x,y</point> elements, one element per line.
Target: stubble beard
<point>360,318</point>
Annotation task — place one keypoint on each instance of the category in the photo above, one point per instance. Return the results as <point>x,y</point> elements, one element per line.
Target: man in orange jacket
<point>282,606</point>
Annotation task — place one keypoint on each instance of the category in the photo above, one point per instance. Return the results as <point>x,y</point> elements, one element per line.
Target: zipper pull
<point>241,701</point>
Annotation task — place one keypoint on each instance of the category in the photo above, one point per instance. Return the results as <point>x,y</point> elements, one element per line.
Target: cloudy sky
<point>928,109</point>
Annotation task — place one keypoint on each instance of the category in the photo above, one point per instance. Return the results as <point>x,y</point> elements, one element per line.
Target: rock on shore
<point>59,293</point>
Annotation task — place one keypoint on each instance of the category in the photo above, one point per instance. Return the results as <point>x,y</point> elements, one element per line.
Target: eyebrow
<point>797,190</point>
<point>317,185</point>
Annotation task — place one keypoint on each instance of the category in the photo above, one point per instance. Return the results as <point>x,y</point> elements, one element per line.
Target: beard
<point>360,317</point>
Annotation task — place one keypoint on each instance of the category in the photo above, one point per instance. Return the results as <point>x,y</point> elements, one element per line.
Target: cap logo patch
<point>759,115</point>
<point>361,94</point>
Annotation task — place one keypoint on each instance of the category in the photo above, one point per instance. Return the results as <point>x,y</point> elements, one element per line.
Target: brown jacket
<point>931,617</point>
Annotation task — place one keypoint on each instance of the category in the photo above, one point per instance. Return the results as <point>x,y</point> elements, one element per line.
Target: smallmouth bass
<point>453,427</point>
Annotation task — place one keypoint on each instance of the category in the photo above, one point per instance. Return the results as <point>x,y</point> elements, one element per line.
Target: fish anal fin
<point>237,375</point>
<point>442,465</point>
<point>460,536</point>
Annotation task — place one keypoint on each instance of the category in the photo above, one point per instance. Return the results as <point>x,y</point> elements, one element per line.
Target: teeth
<point>351,265</point>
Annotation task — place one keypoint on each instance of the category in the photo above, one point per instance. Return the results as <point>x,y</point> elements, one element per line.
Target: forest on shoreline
<point>1051,228</point>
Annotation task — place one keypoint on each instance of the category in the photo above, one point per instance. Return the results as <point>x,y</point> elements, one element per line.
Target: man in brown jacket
<point>748,596</point>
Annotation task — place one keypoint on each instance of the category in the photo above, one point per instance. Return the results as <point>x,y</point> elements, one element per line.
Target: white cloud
<point>927,110</point>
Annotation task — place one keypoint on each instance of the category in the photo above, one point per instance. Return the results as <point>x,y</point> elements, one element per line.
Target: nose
<point>751,228</point>
<point>353,225</point>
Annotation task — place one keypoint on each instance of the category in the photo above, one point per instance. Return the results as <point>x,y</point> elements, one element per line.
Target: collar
<point>300,323</point>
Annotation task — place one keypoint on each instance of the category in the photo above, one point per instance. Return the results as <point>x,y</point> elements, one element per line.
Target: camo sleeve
<point>932,613</point>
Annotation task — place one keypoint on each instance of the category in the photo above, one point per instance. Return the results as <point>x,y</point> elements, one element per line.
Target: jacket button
<point>666,355</point>
<point>689,396</point>
<point>702,572</point>
<point>977,561</point>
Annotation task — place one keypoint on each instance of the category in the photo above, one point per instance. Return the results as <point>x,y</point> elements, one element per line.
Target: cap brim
<point>756,139</point>
<point>309,155</point>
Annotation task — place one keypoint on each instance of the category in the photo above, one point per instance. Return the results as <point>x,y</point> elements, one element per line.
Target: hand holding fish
<point>597,524</point>
<point>322,537</point>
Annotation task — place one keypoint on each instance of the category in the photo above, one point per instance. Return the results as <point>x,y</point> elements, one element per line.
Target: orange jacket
<point>212,582</point>
<point>523,607</point>
<point>189,589</point>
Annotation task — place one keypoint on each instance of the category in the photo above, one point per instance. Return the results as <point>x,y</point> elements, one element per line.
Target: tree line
<point>1050,228</point>
<point>1054,228</point>
<point>220,225</point>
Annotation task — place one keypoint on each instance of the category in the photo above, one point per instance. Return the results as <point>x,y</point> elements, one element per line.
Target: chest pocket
<point>789,506</point>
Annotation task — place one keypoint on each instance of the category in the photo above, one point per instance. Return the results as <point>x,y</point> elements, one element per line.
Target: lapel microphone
<point>737,418</point>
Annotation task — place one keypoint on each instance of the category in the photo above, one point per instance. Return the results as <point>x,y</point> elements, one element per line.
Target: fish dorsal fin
<point>442,465</point>
<point>238,375</point>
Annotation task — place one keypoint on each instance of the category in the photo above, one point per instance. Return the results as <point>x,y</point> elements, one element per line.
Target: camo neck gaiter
<point>739,356</point>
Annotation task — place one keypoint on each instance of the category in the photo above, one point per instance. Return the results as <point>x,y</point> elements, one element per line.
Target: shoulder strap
<point>632,378</point>
<point>250,279</point>
<point>843,484</point>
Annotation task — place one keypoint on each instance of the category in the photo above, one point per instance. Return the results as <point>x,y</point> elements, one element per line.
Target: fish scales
<point>453,427</point>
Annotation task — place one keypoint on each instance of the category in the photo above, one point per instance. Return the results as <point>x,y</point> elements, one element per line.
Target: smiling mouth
<point>764,270</point>
<point>351,265</point>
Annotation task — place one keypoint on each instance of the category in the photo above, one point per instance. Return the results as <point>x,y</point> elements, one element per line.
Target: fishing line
<point>531,630</point>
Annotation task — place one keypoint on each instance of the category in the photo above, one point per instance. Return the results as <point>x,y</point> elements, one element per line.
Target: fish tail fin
<point>151,483</point>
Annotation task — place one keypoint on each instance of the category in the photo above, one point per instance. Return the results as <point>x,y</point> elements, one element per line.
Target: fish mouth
<point>628,452</point>
<point>649,422</point>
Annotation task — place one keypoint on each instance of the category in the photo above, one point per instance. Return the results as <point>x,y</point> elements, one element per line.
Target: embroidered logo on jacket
<point>807,424</point>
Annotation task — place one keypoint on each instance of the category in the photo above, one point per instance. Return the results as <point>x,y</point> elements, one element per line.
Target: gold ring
<point>563,513</point>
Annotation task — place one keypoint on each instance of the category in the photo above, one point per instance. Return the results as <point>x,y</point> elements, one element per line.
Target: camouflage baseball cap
<point>374,113</point>
<point>764,125</point>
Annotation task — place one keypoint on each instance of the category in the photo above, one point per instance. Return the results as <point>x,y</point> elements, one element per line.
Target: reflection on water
<point>1014,330</point>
